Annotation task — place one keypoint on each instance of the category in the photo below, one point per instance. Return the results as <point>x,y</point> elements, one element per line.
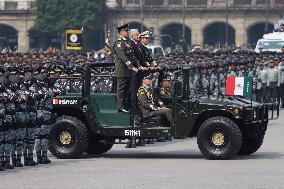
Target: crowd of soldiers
<point>209,71</point>
<point>25,118</point>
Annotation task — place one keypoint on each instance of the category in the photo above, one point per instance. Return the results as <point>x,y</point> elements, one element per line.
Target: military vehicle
<point>224,127</point>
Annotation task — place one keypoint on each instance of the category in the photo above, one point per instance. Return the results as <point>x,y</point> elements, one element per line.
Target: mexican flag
<point>241,86</point>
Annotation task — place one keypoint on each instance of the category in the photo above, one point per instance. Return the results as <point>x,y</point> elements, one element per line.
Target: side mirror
<point>178,89</point>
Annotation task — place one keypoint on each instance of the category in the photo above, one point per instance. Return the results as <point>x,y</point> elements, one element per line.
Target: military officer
<point>149,62</point>
<point>44,120</point>
<point>105,85</point>
<point>2,124</point>
<point>20,120</point>
<point>126,64</point>
<point>94,84</point>
<point>272,75</point>
<point>147,105</point>
<point>232,70</point>
<point>31,95</point>
<point>281,82</point>
<point>166,91</point>
<point>10,130</point>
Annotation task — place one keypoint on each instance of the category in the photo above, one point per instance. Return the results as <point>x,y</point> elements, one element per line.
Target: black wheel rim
<point>64,129</point>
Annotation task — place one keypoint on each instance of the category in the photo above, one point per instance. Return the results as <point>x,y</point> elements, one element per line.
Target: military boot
<point>131,143</point>
<point>150,141</point>
<point>161,139</point>
<point>7,164</point>
<point>44,159</point>
<point>26,159</point>
<point>141,142</point>
<point>13,160</point>
<point>31,161</point>
<point>18,161</point>
<point>38,157</point>
<point>1,164</point>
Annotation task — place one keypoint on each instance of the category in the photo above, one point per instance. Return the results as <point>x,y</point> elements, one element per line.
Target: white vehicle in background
<point>272,42</point>
<point>157,50</point>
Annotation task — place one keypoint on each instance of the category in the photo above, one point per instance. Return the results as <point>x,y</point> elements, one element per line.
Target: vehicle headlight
<point>237,111</point>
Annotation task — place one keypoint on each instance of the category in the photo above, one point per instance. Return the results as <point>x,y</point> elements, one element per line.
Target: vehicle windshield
<point>271,44</point>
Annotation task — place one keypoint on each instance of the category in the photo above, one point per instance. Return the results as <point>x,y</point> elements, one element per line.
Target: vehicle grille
<point>256,113</point>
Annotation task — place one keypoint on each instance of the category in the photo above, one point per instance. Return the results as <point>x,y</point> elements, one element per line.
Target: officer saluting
<point>125,65</point>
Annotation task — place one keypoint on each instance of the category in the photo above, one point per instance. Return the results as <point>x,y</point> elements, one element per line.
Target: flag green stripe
<point>247,86</point>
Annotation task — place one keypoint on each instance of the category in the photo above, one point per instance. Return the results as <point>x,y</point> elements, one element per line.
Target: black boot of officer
<point>44,159</point>
<point>29,84</point>
<point>28,159</point>
<point>141,142</point>
<point>17,160</point>
<point>7,164</point>
<point>2,164</point>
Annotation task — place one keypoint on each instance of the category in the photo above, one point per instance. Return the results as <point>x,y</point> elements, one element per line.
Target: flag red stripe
<point>230,86</point>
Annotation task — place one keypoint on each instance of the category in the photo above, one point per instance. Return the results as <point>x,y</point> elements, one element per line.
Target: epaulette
<point>162,91</point>
<point>141,91</point>
<point>120,43</point>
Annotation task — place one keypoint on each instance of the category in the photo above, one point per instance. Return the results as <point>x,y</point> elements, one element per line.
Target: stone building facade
<point>199,21</point>
<point>16,20</point>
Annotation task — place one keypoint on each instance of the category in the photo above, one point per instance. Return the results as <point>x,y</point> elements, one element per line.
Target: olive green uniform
<point>124,61</point>
<point>147,105</point>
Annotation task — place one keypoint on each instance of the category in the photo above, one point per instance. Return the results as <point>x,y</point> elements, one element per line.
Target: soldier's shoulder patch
<point>141,91</point>
<point>118,44</point>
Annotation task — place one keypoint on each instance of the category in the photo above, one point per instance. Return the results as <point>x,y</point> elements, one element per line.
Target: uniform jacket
<point>146,100</point>
<point>125,58</point>
<point>148,59</point>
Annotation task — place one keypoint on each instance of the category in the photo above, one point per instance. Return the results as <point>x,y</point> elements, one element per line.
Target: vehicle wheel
<point>219,138</point>
<point>69,138</point>
<point>251,145</point>
<point>98,145</point>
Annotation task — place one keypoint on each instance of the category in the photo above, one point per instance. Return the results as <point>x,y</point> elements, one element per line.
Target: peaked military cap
<point>124,27</point>
<point>145,34</point>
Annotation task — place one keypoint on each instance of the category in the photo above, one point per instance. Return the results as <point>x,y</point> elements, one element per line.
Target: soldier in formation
<point>25,119</point>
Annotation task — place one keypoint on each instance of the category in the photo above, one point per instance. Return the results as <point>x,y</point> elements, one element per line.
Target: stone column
<point>23,41</point>
<point>196,34</point>
<point>241,35</point>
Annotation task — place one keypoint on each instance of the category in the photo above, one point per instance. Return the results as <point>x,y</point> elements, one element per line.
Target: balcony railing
<point>199,3</point>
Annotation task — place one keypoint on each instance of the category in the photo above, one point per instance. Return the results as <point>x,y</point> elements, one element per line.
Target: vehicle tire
<point>219,138</point>
<point>250,145</point>
<point>69,138</point>
<point>97,147</point>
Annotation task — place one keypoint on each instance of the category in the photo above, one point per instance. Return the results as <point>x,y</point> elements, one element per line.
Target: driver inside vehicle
<point>148,106</point>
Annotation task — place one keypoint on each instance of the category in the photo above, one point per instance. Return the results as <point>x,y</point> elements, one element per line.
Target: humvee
<point>90,122</point>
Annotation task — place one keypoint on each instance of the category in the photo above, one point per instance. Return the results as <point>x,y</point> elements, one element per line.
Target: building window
<point>242,2</point>
<point>261,2</point>
<point>10,5</point>
<point>133,2</point>
<point>175,2</point>
<point>218,1</point>
<point>32,4</point>
<point>196,2</point>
